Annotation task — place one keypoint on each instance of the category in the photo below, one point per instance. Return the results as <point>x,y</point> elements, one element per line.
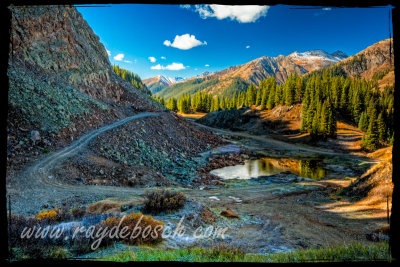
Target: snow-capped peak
<point>168,80</point>
<point>318,54</point>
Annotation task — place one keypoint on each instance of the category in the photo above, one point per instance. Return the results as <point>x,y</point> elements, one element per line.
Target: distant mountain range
<point>159,82</point>
<point>237,78</point>
<point>375,58</point>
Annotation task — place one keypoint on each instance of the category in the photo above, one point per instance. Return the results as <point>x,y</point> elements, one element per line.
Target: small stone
<point>35,136</point>
<point>101,172</point>
<point>190,217</point>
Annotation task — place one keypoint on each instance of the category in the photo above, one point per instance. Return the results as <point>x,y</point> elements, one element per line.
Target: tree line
<point>323,94</point>
<point>131,78</point>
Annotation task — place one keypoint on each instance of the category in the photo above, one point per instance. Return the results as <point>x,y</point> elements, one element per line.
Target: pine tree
<point>304,109</point>
<point>324,120</point>
<point>278,95</point>
<point>290,90</point>
<point>264,99</point>
<point>250,95</point>
<point>233,102</point>
<point>258,98</point>
<point>371,140</point>
<point>332,123</point>
<point>363,122</point>
<point>381,127</point>
<point>216,103</point>
<point>271,98</point>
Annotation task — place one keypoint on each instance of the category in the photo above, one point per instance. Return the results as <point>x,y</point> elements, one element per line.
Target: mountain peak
<point>340,54</point>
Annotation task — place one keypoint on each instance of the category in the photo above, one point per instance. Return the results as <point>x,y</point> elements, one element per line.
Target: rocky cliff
<point>59,72</point>
<point>62,85</point>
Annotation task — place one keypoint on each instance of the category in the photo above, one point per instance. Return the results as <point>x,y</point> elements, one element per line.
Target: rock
<point>35,136</point>
<point>190,217</point>
<point>207,215</point>
<point>229,213</point>
<point>218,183</point>
<point>101,172</point>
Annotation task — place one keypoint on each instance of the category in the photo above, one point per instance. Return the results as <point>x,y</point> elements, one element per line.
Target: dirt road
<point>36,186</point>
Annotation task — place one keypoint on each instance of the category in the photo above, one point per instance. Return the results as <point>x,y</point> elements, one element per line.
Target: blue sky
<point>187,40</point>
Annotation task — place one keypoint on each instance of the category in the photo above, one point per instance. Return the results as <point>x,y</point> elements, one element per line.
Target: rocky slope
<point>316,59</point>
<point>225,82</point>
<point>378,57</point>
<point>61,85</point>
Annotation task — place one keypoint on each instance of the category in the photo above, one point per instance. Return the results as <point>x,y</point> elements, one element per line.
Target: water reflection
<point>309,168</point>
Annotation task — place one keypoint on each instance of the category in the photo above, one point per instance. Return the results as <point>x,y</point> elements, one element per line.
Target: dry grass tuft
<point>163,201</point>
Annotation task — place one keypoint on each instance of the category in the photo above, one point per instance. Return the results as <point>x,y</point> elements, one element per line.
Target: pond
<point>308,168</point>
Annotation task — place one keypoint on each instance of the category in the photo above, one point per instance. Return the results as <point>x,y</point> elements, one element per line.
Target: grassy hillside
<point>223,88</point>
<point>156,87</point>
<point>191,86</point>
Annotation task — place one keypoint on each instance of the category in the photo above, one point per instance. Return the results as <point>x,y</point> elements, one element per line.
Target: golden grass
<point>195,115</point>
<point>47,215</point>
<point>106,206</point>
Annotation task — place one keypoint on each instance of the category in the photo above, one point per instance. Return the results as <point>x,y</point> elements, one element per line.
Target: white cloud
<point>157,67</point>
<point>207,65</point>
<point>184,42</point>
<point>173,66</point>
<point>167,43</point>
<point>127,61</point>
<point>243,14</point>
<point>119,57</point>
<point>152,59</point>
<point>248,46</point>
<point>163,58</point>
<point>108,52</point>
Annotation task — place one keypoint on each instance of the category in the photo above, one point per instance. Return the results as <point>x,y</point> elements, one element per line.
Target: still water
<point>309,168</point>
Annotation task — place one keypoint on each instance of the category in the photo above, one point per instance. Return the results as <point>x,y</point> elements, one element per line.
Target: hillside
<point>159,82</point>
<point>374,59</point>
<point>237,78</point>
<point>62,85</point>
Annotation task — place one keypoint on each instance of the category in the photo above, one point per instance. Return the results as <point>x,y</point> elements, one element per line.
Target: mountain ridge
<point>261,68</point>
